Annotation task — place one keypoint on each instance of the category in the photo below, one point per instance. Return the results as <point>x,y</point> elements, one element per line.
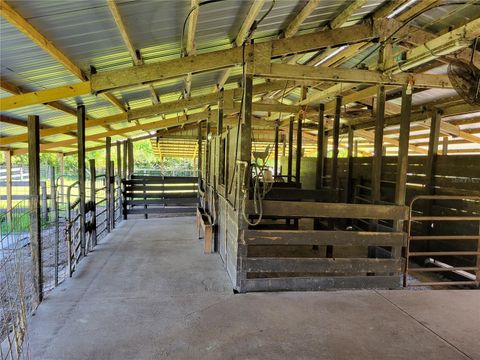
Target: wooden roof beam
<point>12,16</point>
<point>190,47</point>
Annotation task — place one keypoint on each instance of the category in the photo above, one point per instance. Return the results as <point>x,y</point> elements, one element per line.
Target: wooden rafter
<point>293,27</point>
<point>190,42</point>
<point>45,44</point>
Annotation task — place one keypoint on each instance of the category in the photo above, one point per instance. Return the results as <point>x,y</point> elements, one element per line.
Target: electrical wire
<point>405,23</point>
<point>188,16</point>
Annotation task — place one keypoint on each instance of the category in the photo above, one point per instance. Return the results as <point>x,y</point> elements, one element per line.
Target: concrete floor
<point>148,292</point>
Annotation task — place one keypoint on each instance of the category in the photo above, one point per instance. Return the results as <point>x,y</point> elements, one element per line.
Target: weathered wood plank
<point>321,283</point>
<point>322,265</point>
<point>321,237</point>
<point>331,210</point>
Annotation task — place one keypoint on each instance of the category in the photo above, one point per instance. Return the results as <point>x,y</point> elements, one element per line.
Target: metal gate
<point>443,239</point>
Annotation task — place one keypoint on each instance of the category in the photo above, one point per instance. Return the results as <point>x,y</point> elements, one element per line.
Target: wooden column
<point>108,180</point>
<point>93,200</point>
<point>336,141</point>
<point>112,195</point>
<point>290,149</point>
<point>298,154</point>
<point>349,182</point>
<point>54,207</point>
<point>275,160</point>
<point>8,183</point>
<point>432,151</point>
<point>378,145</point>
<point>119,159</point>
<point>131,160</point>
<point>34,193</point>
<point>81,171</point>
<point>200,143</point>
<point>402,162</point>
<point>220,114</point>
<point>125,160</point>
<point>320,145</point>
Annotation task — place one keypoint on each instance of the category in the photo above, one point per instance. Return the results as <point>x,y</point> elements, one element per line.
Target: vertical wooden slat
<point>290,149</point>
<point>125,160</point>
<point>81,171</point>
<point>8,180</point>
<point>131,160</point>
<point>298,160</point>
<point>275,160</point>
<point>108,180</point>
<point>349,183</point>
<point>336,141</point>
<point>34,192</point>
<point>119,159</point>
<point>93,174</point>
<point>378,145</point>
<point>320,148</point>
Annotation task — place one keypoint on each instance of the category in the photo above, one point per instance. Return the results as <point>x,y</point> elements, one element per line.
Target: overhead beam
<point>190,46</point>
<point>295,24</point>
<point>303,72</point>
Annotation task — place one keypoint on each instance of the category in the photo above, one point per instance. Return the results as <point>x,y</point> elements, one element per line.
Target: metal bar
<point>93,200</point>
<point>108,175</point>
<point>34,192</point>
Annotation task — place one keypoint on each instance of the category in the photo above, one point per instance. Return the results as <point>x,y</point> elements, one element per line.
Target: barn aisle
<point>148,292</point>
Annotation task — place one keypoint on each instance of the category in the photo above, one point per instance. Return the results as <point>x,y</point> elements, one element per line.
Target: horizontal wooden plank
<point>321,283</point>
<point>320,237</point>
<point>161,187</point>
<point>162,210</point>
<point>160,195</point>
<point>322,265</point>
<point>331,210</point>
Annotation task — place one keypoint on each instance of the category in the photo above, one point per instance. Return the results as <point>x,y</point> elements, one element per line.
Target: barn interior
<point>335,156</point>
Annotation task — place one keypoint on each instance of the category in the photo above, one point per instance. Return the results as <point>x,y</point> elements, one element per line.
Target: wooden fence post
<point>34,192</point>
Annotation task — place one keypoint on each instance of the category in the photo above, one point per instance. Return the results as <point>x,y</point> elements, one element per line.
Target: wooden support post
<point>246,138</point>
<point>320,147</point>
<point>119,159</point>
<point>275,160</point>
<point>207,155</point>
<point>402,162</point>
<point>355,148</point>
<point>108,181</point>
<point>220,113</point>
<point>334,165</point>
<point>320,155</point>
<point>81,172</point>
<point>34,192</point>
<point>378,145</point>
<point>290,150</point>
<point>54,208</point>
<point>298,154</point>
<point>336,141</point>
<point>199,158</point>
<point>432,151</point>
<point>445,146</point>
<point>125,160</point>
<point>93,201</point>
<point>8,181</point>
<point>349,182</point>
<point>131,160</point>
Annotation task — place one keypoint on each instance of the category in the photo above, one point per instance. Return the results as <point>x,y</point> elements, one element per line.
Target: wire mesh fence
<point>16,285</point>
<point>58,219</point>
